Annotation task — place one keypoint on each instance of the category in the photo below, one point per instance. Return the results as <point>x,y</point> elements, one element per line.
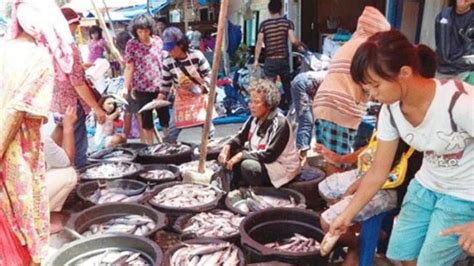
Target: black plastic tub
<point>169,253</point>
<point>276,224</point>
<point>177,158</point>
<point>309,188</point>
<point>268,191</point>
<point>133,146</point>
<point>84,177</point>
<point>174,213</point>
<point>113,155</point>
<point>85,190</point>
<point>150,181</point>
<point>81,221</point>
<point>74,251</point>
<point>182,221</point>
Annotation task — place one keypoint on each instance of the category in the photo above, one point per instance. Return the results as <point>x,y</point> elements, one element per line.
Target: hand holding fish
<point>236,159</point>
<point>224,155</point>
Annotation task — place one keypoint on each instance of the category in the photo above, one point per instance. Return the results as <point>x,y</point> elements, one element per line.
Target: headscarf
<point>46,24</point>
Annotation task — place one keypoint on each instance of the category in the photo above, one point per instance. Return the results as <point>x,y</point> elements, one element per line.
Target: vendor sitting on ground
<point>264,151</point>
<point>61,178</point>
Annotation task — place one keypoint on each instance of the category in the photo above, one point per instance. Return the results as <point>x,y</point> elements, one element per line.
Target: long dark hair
<point>102,101</point>
<point>386,53</point>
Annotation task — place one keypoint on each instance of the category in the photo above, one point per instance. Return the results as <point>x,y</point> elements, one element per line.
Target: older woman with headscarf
<point>264,151</point>
<point>40,33</point>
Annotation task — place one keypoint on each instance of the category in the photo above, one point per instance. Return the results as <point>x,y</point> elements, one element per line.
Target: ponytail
<point>427,59</point>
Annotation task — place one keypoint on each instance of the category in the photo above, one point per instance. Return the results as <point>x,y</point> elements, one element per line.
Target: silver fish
<point>108,171</point>
<point>218,223</point>
<point>212,165</point>
<point>296,243</point>
<point>185,196</point>
<point>112,257</point>
<point>166,148</point>
<point>131,224</point>
<point>205,254</point>
<point>157,174</point>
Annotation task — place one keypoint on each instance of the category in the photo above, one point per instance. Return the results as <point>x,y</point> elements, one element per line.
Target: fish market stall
<point>165,153</point>
<point>109,171</point>
<point>113,155</point>
<point>154,174</point>
<point>122,190</point>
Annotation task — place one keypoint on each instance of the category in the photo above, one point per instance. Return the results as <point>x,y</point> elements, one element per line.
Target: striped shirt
<point>194,61</point>
<point>275,34</point>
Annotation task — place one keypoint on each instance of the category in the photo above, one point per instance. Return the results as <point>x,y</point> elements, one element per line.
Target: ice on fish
<point>108,171</point>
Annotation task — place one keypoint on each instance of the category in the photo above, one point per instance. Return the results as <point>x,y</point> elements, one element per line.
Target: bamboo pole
<point>109,40</point>
<point>212,90</point>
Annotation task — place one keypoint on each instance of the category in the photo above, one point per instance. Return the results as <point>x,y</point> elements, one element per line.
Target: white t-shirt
<point>448,163</point>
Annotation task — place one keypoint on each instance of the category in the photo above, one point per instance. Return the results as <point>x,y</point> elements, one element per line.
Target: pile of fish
<point>139,225</point>
<point>113,257</point>
<point>296,243</point>
<point>213,224</point>
<point>251,202</point>
<point>212,165</point>
<point>109,171</point>
<point>114,156</point>
<point>165,149</point>
<point>185,196</point>
<point>105,195</point>
<point>206,254</point>
<point>158,174</point>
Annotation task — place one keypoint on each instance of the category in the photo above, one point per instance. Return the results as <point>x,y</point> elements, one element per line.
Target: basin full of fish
<point>112,257</point>
<point>135,224</point>
<point>297,243</point>
<point>212,165</point>
<point>109,170</point>
<point>113,155</point>
<point>158,174</point>
<point>214,224</point>
<point>206,254</point>
<point>182,196</point>
<point>106,195</point>
<point>165,149</point>
<point>251,201</point>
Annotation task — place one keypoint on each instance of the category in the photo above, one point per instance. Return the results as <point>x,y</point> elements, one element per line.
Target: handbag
<point>396,177</point>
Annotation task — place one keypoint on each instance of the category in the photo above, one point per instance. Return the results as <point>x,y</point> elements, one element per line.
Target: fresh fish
<point>212,165</point>
<point>109,170</point>
<point>158,174</point>
<point>248,201</point>
<point>296,243</point>
<point>205,254</point>
<point>112,257</point>
<point>185,196</point>
<point>139,225</point>
<point>165,149</point>
<point>218,223</point>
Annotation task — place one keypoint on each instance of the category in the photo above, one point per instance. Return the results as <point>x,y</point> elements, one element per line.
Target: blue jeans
<point>301,91</point>
<point>80,138</point>
<point>174,131</point>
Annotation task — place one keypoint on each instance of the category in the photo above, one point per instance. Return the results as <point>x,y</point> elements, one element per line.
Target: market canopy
<point>128,13</point>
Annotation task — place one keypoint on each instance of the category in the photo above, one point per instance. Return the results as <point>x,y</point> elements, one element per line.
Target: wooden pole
<point>212,90</point>
<point>109,40</point>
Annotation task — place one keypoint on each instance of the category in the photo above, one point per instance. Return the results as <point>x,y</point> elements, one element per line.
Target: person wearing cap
<point>71,89</point>
<point>185,69</point>
<point>40,41</point>
<point>340,103</point>
<point>143,56</point>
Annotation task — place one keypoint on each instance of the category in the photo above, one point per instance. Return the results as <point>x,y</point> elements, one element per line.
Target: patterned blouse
<point>26,79</point>
<point>64,92</point>
<point>146,60</point>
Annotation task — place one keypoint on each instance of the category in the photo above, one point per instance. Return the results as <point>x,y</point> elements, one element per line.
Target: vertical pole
<point>212,90</point>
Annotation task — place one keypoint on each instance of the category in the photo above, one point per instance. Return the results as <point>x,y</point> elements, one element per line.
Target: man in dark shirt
<point>454,28</point>
<point>274,33</point>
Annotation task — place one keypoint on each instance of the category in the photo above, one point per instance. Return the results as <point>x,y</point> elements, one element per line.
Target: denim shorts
<point>424,214</point>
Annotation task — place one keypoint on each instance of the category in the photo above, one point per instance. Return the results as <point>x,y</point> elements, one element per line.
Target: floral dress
<point>26,82</point>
